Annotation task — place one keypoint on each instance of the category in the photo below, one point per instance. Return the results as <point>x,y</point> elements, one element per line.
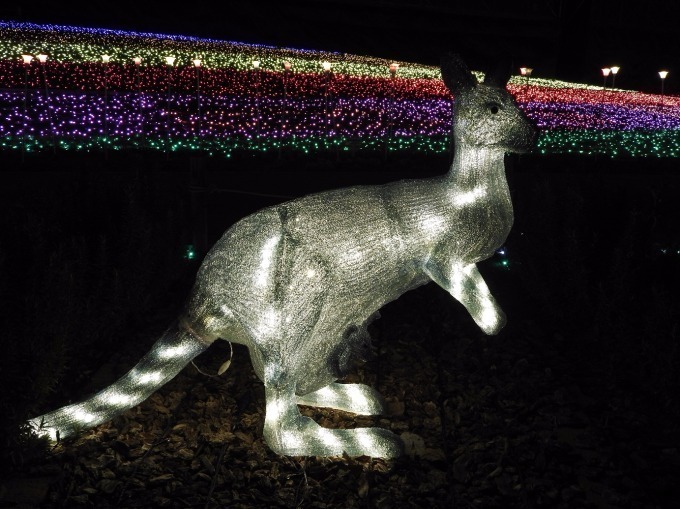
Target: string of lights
<point>73,88</point>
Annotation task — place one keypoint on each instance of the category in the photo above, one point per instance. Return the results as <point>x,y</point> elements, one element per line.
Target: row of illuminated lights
<point>542,93</point>
<point>170,61</point>
<point>433,72</point>
<point>635,144</point>
<point>352,114</point>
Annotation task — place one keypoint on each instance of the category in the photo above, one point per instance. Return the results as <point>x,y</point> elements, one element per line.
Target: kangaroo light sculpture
<point>298,283</point>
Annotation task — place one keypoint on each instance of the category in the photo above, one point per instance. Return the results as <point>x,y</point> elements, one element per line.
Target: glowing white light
<point>256,64</point>
<point>366,441</point>
<point>663,74</point>
<point>606,71</point>
<point>469,197</point>
<point>326,394</point>
<point>137,60</point>
<point>328,438</point>
<point>287,65</point>
<point>197,62</point>
<point>326,66</point>
<point>106,58</point>
<point>311,273</point>
<point>170,60</point>
<point>488,316</point>
<point>83,416</point>
<point>432,224</point>
<point>275,409</point>
<point>148,378</point>
<point>116,398</point>
<point>27,58</point>
<point>42,58</point>
<point>615,69</point>
<point>269,324</point>
<point>266,257</point>
<point>174,351</point>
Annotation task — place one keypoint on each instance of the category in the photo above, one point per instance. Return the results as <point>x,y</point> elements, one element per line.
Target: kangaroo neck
<point>473,167</point>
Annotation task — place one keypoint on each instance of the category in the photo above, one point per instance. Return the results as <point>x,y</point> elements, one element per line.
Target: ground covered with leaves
<point>516,420</point>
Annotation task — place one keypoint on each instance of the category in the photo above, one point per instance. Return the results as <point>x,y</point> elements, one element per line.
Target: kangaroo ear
<point>456,74</point>
<point>499,75</point>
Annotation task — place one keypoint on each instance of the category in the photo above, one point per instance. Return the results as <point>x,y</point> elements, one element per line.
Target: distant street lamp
<point>615,71</point>
<point>394,67</point>
<point>605,72</point>
<point>138,62</point>
<point>170,64</point>
<point>27,62</point>
<point>42,58</point>
<point>327,72</point>
<point>197,66</point>
<point>105,60</point>
<point>256,68</point>
<point>662,75</point>
<point>286,71</point>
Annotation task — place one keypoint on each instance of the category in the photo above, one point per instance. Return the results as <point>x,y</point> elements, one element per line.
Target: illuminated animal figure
<point>298,283</point>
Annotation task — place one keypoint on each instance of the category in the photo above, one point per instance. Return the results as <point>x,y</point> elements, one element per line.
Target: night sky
<point>568,40</point>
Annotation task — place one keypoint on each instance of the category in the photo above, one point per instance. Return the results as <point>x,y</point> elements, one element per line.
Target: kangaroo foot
<point>289,433</point>
<point>356,398</point>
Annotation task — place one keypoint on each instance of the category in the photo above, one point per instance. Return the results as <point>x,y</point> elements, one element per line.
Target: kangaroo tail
<point>167,357</point>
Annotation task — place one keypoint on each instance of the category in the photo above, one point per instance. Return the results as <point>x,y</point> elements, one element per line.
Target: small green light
<point>189,252</point>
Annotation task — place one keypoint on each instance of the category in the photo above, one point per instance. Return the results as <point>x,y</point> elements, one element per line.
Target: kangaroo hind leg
<point>355,398</point>
<point>287,432</point>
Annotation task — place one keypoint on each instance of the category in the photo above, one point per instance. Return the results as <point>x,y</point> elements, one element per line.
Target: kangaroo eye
<point>493,108</point>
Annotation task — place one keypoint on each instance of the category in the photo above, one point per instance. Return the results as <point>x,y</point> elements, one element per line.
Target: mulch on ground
<point>489,422</point>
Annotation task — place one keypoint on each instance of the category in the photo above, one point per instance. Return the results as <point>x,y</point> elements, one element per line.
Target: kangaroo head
<point>485,114</point>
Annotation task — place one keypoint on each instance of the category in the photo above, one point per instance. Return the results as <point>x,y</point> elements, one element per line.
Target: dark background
<point>565,39</point>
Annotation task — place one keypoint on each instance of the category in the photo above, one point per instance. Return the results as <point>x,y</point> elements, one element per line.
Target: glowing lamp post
<point>42,58</point>
<point>662,75</point>
<point>394,67</point>
<point>327,72</point>
<point>286,71</point>
<point>27,59</point>
<point>615,70</point>
<point>170,64</point>
<point>526,74</point>
<point>105,61</point>
<point>197,67</point>
<point>137,61</point>
<point>605,72</point>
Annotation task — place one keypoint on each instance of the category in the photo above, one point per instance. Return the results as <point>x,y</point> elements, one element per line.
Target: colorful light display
<point>87,93</point>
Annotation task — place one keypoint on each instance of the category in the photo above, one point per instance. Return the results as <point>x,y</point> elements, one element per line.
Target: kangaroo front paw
<point>490,319</point>
<point>304,437</point>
